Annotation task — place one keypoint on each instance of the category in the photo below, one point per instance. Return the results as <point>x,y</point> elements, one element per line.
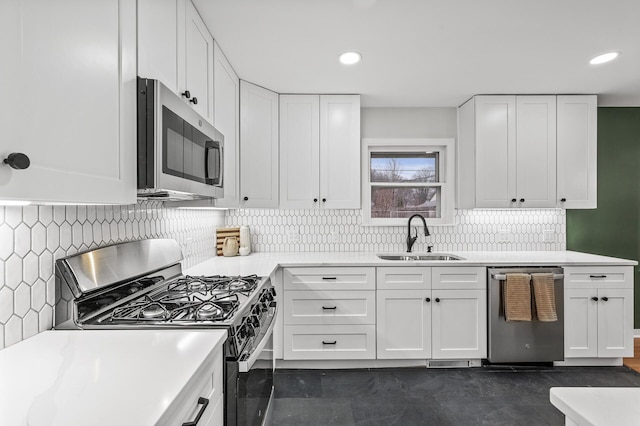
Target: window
<point>402,177</point>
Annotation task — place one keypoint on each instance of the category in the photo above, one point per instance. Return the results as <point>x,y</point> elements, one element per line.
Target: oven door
<point>253,381</point>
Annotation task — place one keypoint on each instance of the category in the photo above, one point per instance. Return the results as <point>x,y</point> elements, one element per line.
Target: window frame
<point>446,164</point>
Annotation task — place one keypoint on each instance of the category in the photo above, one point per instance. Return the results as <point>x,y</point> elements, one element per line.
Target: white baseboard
<point>636,333</point>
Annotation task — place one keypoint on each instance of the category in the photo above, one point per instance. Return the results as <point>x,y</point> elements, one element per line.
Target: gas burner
<point>209,311</point>
<point>154,310</point>
<point>241,285</point>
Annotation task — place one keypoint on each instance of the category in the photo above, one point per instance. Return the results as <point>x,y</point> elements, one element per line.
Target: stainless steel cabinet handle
<point>329,308</point>
<point>502,277</point>
<point>595,299</point>
<point>329,278</point>
<point>597,276</point>
<point>428,299</point>
<point>329,343</point>
<point>201,401</point>
<point>604,299</point>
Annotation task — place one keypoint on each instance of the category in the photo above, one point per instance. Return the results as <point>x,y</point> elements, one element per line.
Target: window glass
<point>402,202</point>
<point>404,167</point>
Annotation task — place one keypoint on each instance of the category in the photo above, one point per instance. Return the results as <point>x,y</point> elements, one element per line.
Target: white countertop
<point>99,377</point>
<point>265,263</point>
<point>598,406</point>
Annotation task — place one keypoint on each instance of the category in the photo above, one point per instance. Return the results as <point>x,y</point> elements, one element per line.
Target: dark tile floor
<point>418,396</point>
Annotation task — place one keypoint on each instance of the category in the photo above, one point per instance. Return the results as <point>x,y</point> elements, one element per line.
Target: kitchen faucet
<point>411,240</point>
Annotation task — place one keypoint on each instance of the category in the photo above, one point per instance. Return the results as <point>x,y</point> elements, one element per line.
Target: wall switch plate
<point>548,236</point>
<point>505,236</point>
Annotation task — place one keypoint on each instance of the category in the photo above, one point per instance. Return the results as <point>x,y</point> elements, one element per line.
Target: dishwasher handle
<point>502,277</point>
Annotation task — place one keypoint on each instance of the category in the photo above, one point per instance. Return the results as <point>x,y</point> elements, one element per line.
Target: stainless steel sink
<point>414,257</point>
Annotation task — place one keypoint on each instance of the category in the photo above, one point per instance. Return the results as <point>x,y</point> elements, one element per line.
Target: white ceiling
<point>432,53</point>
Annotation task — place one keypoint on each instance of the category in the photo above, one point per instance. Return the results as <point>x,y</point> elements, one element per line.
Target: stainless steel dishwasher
<point>524,341</point>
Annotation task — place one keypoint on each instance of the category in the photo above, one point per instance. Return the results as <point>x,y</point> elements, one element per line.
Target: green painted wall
<point>613,229</point>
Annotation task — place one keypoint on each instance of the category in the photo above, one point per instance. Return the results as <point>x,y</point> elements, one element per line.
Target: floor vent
<point>452,363</point>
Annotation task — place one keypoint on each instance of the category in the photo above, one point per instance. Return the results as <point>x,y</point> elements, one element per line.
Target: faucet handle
<point>429,249</point>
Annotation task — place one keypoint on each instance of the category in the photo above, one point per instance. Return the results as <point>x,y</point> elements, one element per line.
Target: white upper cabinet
<point>176,48</point>
<point>340,151</point>
<point>68,84</point>
<point>299,151</point>
<point>577,151</point>
<point>320,151</point>
<point>536,151</point>
<point>198,74</point>
<point>227,121</point>
<point>258,146</point>
<point>519,151</point>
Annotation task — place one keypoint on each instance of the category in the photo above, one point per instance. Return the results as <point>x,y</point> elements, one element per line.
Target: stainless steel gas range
<point>140,285</point>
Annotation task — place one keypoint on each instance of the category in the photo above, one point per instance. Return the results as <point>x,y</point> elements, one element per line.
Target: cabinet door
<point>536,151</point>
<point>258,146</point>
<point>577,151</point>
<point>580,323</point>
<point>340,151</point>
<point>158,41</point>
<point>495,151</point>
<point>227,121</point>
<point>459,324</point>
<point>299,151</point>
<point>68,87</point>
<point>403,324</point>
<point>198,53</point>
<point>615,328</point>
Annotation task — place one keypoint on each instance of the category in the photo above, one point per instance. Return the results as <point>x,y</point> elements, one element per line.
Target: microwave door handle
<point>207,146</point>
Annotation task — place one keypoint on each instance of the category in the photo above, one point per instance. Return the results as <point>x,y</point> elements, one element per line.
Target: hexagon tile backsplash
<point>33,237</point>
<point>342,230</point>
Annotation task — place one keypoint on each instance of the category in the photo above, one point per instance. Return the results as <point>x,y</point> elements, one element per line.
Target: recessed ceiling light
<point>605,57</point>
<point>350,58</point>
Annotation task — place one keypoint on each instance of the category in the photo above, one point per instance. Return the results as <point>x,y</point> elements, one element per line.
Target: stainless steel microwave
<point>180,154</point>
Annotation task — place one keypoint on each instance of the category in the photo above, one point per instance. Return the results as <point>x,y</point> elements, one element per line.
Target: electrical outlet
<point>548,236</point>
<point>293,235</point>
<point>505,236</point>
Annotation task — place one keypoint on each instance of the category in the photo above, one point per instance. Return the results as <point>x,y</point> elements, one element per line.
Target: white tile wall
<point>341,230</point>
<point>33,237</point>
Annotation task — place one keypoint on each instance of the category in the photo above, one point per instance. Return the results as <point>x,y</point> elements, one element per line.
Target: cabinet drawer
<point>207,383</point>
<point>329,279</point>
<point>329,342</point>
<point>329,307</point>
<point>403,278</point>
<point>459,278</point>
<point>598,277</point>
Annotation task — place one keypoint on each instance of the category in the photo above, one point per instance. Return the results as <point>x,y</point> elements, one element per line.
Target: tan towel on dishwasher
<point>517,297</point>
<point>544,296</point>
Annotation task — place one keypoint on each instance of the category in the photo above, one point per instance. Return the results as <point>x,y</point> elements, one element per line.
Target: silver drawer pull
<point>329,308</point>
<point>329,278</point>
<point>597,276</point>
<point>329,343</point>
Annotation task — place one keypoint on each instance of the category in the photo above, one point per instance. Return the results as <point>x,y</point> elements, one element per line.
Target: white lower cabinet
<point>204,388</point>
<point>458,324</point>
<point>598,312</point>
<point>321,342</point>
<point>329,313</point>
<point>437,313</point>
<point>403,324</point>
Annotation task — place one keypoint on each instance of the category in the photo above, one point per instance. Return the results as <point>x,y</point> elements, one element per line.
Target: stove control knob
<point>241,332</point>
<point>254,321</point>
<point>268,296</point>
<point>272,291</point>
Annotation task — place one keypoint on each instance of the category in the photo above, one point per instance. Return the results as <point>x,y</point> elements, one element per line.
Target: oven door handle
<point>245,366</point>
